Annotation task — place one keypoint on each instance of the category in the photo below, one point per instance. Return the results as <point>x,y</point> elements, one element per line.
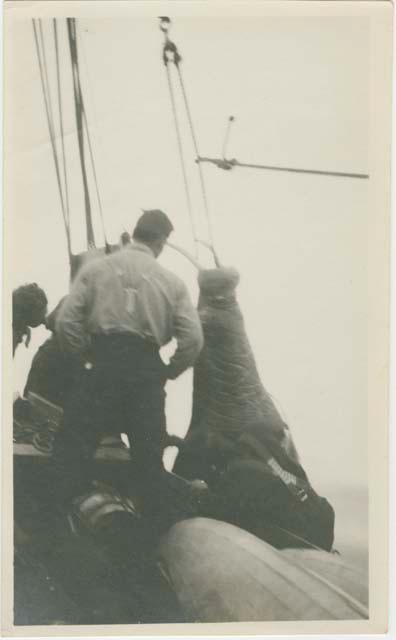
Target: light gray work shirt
<point>130,292</point>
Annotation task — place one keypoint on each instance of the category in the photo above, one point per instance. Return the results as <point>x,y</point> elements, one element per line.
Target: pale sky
<point>298,88</point>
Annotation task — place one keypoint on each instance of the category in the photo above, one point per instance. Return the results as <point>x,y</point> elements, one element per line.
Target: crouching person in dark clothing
<point>267,493</point>
<point>120,311</point>
<point>29,308</point>
<point>53,372</point>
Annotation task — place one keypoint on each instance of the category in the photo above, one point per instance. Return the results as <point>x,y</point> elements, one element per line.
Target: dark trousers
<point>123,392</point>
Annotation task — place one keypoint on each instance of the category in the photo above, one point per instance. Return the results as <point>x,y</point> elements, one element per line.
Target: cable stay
<point>42,62</point>
<point>227,165</point>
<point>62,136</point>
<point>171,50</point>
<point>182,159</point>
<point>78,105</point>
<point>99,199</point>
<point>171,55</point>
<point>60,159</point>
<point>96,182</point>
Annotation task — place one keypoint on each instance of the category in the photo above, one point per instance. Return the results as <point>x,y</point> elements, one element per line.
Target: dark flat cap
<point>154,223</point>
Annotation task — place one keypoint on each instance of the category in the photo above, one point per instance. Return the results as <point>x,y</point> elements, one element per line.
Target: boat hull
<point>224,574</point>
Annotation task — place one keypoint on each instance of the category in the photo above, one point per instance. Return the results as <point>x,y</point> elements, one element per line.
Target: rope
<point>182,160</point>
<point>40,434</point>
<point>85,120</point>
<point>45,67</point>
<point>71,27</point>
<point>185,253</point>
<point>67,204</point>
<point>201,176</point>
<point>50,128</point>
<point>174,56</point>
<point>229,164</point>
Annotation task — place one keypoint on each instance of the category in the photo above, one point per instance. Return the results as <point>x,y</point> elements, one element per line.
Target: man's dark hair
<point>29,305</point>
<point>151,226</point>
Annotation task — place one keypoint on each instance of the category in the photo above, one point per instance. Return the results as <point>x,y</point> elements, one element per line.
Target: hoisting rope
<point>41,57</point>
<point>168,45</point>
<point>71,29</point>
<point>201,176</point>
<point>182,160</point>
<point>171,54</point>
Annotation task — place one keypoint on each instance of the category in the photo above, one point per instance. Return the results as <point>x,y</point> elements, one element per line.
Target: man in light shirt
<point>120,311</point>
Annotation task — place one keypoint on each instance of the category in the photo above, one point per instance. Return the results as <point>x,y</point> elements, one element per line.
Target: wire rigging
<point>46,77</point>
<point>44,87</point>
<point>62,136</point>
<point>78,105</point>
<point>90,148</point>
<point>91,155</point>
<point>182,159</point>
<point>223,163</point>
<point>171,54</point>
<point>200,171</point>
<point>82,127</point>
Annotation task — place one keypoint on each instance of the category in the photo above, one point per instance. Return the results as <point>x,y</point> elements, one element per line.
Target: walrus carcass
<point>238,442</point>
<point>227,394</point>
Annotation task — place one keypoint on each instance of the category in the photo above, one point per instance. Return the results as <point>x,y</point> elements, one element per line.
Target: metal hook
<point>165,24</point>
<point>171,53</point>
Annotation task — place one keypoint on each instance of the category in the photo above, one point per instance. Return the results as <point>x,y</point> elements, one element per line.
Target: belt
<point>124,339</point>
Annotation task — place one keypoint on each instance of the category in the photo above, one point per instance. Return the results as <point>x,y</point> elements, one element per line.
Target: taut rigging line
<point>91,154</point>
<point>82,128</point>
<point>227,164</point>
<point>41,57</point>
<point>171,55</point>
<point>78,104</point>
<point>58,79</point>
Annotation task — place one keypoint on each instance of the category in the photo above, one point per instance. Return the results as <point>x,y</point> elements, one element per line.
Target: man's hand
<point>164,371</point>
<point>27,336</point>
